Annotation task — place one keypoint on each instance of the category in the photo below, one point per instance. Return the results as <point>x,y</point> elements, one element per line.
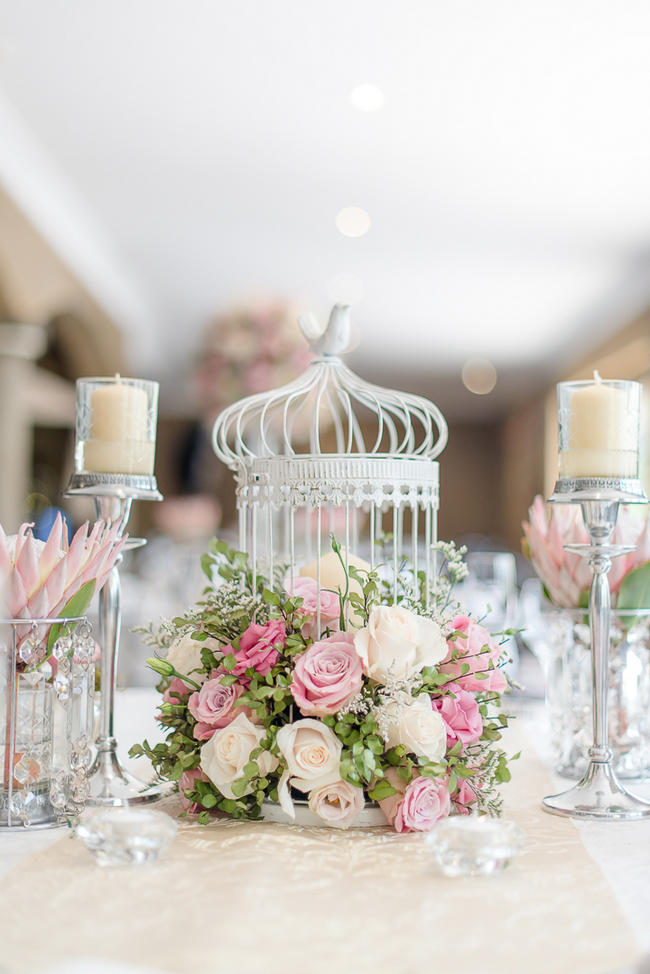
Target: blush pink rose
<point>330,606</point>
<point>175,690</point>
<point>465,797</point>
<point>186,783</point>
<point>327,675</point>
<point>258,648</point>
<point>213,706</point>
<point>390,805</point>
<point>461,715</point>
<point>475,647</point>
<point>425,802</point>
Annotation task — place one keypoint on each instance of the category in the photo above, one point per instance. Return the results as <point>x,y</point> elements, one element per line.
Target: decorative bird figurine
<point>336,339</point>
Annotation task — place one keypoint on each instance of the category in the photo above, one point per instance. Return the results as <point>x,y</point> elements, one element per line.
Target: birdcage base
<point>369,817</point>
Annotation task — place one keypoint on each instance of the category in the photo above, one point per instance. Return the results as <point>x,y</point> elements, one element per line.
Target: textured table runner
<point>268,898</point>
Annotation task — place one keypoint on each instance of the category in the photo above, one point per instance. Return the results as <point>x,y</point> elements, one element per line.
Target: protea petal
<point>39,605</point>
<point>53,550</point>
<point>27,565</point>
<point>16,595</point>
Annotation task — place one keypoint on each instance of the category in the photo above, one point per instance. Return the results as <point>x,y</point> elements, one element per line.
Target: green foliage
<point>226,611</point>
<point>634,592</point>
<point>75,606</point>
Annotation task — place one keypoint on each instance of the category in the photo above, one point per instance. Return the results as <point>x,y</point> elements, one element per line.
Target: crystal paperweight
<point>123,836</point>
<point>475,846</point>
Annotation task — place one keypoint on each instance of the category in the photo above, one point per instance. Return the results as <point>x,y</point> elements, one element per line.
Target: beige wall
<point>36,285</point>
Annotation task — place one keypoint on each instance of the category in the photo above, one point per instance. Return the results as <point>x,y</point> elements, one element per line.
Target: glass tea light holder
<point>599,423</point>
<point>116,426</point>
<point>114,464</point>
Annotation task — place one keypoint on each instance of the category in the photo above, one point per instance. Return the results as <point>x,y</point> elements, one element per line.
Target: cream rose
<point>398,643</point>
<point>337,804</point>
<point>414,723</point>
<point>229,749</point>
<point>312,753</point>
<point>184,654</point>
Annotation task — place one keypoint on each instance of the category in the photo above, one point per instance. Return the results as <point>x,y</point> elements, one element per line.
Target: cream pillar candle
<point>332,575</point>
<point>119,439</point>
<point>601,430</point>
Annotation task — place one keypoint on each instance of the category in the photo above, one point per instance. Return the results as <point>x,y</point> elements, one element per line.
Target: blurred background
<point>180,178</point>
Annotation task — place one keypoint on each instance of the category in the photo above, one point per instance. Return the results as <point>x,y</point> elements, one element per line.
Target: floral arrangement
<point>272,694</point>
<point>246,351</point>
<point>567,576</point>
<point>53,578</point>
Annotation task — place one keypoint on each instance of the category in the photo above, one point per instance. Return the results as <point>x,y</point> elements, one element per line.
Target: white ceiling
<point>183,154</point>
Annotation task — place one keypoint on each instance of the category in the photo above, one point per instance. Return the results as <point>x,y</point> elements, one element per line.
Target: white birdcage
<point>331,454</point>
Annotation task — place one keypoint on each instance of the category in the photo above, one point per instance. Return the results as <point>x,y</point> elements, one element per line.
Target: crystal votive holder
<point>475,845</point>
<point>116,426</point>
<point>598,429</point>
<point>118,836</point>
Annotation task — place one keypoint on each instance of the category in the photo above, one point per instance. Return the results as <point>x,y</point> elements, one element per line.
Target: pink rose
<point>475,648</point>
<point>175,690</point>
<point>327,675</point>
<point>213,706</point>
<point>465,796</point>
<point>390,805</point>
<point>461,715</point>
<point>186,783</point>
<point>330,606</point>
<point>425,802</point>
<point>257,648</point>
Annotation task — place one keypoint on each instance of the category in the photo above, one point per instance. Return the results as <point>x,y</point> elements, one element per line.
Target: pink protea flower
<point>38,579</point>
<point>564,574</point>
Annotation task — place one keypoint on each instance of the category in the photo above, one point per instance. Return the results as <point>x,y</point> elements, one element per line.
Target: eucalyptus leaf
<point>634,592</point>
<point>75,606</point>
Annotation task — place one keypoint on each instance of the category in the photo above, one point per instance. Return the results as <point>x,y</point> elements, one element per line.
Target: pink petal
<point>27,566</point>
<point>53,549</point>
<point>16,595</point>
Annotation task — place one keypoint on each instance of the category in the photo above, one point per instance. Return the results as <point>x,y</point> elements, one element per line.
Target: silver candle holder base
<point>113,494</point>
<point>599,794</point>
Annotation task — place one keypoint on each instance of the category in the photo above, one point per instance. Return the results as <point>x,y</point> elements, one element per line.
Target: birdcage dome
<point>331,455</point>
<point>329,412</point>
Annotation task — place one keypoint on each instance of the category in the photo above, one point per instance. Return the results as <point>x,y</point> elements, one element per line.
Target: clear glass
<point>475,846</point>
<point>598,429</point>
<point>46,711</point>
<point>116,426</point>
<point>125,836</point>
<point>560,639</point>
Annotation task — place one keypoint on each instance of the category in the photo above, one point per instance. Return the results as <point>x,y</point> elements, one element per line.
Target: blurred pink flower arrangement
<point>249,350</point>
<point>567,576</point>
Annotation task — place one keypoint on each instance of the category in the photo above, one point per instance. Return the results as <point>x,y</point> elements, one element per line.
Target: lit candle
<point>599,429</point>
<point>118,439</point>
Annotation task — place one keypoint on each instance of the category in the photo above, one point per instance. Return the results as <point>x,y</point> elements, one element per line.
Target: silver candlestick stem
<point>113,495</point>
<point>599,794</point>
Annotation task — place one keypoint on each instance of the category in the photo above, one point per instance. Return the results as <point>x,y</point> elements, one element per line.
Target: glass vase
<point>46,716</point>
<point>566,657</point>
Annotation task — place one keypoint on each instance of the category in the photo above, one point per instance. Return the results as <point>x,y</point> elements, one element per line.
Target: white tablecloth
<point>615,861</point>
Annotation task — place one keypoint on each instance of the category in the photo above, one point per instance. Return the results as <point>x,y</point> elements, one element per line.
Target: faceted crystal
<point>59,789</point>
<point>62,647</point>
<point>27,769</point>
<point>31,650</point>
<point>62,687</point>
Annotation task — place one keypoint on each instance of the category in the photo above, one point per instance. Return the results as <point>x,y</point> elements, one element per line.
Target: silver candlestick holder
<point>113,495</point>
<point>599,795</point>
